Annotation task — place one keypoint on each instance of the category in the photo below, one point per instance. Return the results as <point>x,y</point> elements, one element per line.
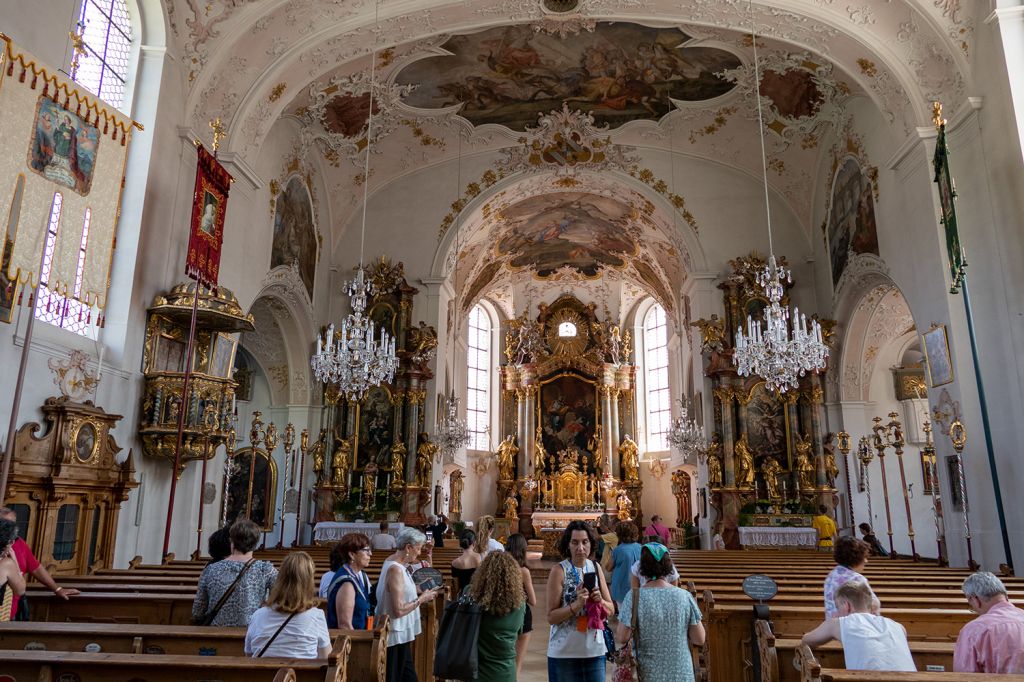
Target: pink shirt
<point>659,530</point>
<point>992,643</point>
<point>27,563</point>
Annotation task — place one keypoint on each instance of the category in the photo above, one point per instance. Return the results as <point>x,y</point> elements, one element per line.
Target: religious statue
<point>422,344</point>
<point>770,471</point>
<point>715,462</point>
<point>624,504</point>
<point>317,451</point>
<point>507,452</point>
<point>398,453</point>
<point>630,459</point>
<point>744,463</point>
<point>425,453</point>
<point>712,334</point>
<point>539,453</point>
<point>370,485</point>
<point>512,509</point>
<point>594,445</point>
<point>455,492</point>
<point>340,462</point>
<point>831,470</point>
<point>804,464</point>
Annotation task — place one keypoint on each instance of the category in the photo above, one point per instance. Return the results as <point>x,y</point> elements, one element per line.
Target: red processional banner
<point>209,204</point>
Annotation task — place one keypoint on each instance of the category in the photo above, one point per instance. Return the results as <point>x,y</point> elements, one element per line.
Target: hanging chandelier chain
<point>760,128</point>
<point>369,128</point>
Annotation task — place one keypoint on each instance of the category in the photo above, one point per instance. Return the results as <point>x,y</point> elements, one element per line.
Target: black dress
<point>463,576</point>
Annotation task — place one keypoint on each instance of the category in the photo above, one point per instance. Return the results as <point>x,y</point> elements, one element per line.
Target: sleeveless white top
<point>565,641</point>
<point>406,628</point>
<point>873,642</point>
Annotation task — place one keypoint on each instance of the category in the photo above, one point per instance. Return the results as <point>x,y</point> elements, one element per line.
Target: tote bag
<point>456,657</point>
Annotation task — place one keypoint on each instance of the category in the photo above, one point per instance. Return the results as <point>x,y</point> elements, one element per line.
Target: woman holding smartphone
<point>578,604</point>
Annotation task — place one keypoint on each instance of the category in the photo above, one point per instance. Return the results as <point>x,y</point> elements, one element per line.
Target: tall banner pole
<point>202,265</point>
<point>958,273</point>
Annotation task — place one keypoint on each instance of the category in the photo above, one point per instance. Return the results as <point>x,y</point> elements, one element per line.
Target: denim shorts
<point>576,669</point>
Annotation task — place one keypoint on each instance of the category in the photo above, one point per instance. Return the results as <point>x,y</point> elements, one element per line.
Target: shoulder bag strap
<point>231,590</point>
<point>274,636</point>
<point>634,632</point>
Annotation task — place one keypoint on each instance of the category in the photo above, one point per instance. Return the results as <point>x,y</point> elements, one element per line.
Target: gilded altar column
<point>397,398</point>
<point>529,429</point>
<point>792,422</point>
<point>415,396</point>
<point>725,395</point>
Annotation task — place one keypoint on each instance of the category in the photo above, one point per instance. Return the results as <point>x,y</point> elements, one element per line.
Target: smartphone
<point>590,581</point>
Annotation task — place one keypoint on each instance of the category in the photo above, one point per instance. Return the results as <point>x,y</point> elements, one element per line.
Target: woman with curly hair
<point>498,588</point>
<point>851,557</point>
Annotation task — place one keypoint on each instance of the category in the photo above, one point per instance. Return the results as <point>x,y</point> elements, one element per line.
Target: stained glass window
<point>478,382</point>
<point>659,406</point>
<point>103,69</point>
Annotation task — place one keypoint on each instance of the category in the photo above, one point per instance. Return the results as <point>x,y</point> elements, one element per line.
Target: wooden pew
<point>812,671</point>
<point>369,657</point>
<point>778,655</point>
<point>103,667</point>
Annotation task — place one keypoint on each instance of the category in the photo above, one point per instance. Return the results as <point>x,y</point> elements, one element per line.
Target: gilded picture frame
<point>937,356</point>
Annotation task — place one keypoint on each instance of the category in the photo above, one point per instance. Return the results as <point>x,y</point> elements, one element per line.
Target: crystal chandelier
<point>357,359</point>
<point>768,349</point>
<point>687,436</point>
<point>452,431</point>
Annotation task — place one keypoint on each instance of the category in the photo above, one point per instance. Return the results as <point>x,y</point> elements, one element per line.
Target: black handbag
<point>456,656</point>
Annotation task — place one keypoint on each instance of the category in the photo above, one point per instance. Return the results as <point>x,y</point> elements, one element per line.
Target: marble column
<point>616,433</point>
<point>397,398</point>
<point>724,394</point>
<point>415,397</point>
<point>609,444</point>
<point>526,443</point>
<point>815,399</point>
<point>792,433</point>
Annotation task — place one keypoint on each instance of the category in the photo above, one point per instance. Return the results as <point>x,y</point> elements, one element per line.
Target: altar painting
<point>264,489</point>
<point>568,413</point>
<point>376,418</point>
<point>767,425</point>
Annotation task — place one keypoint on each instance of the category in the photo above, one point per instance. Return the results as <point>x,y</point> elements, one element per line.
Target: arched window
<point>478,380</point>
<point>103,69</point>
<point>53,308</point>
<point>659,405</point>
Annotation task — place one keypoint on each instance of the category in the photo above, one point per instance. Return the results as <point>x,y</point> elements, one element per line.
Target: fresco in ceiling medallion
<point>620,72</point>
<point>586,232</point>
<point>851,225</point>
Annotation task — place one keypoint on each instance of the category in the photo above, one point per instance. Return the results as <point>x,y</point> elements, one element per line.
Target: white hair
<point>983,585</point>
<point>409,536</point>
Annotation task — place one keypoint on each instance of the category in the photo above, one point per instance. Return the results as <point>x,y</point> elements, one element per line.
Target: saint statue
<point>831,470</point>
<point>317,451</point>
<point>455,492</point>
<point>744,463</point>
<point>340,462</point>
<point>715,462</point>
<point>630,459</point>
<point>594,445</point>
<point>512,509</point>
<point>624,504</point>
<point>370,485</point>
<point>804,464</point>
<point>507,452</point>
<point>425,453</point>
<point>540,455</point>
<point>398,452</point>
<point>712,334</point>
<point>770,471</point>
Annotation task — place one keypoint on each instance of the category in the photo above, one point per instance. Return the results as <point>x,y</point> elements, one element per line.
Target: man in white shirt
<point>383,539</point>
<point>870,642</point>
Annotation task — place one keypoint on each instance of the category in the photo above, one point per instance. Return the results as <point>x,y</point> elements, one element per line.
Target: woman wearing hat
<point>661,648</point>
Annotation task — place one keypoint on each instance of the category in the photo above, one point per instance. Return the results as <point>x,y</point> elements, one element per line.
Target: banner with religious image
<point>947,200</point>
<point>209,203</point>
<point>62,159</point>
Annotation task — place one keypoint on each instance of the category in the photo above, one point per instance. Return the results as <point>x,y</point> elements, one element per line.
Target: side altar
<point>568,408</point>
<point>767,448</point>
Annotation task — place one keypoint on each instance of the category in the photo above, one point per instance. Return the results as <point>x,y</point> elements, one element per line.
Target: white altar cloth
<point>778,536</point>
<point>332,531</point>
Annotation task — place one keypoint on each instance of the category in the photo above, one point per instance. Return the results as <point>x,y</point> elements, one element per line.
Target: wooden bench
<point>812,671</point>
<point>368,659</point>
<point>104,667</point>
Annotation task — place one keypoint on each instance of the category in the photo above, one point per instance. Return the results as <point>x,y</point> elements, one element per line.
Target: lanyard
<point>357,582</point>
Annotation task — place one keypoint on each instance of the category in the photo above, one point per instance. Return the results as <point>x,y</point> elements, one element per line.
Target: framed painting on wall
<point>940,365</point>
<point>567,412</point>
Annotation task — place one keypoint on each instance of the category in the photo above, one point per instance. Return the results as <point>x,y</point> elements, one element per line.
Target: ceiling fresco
<point>619,72</point>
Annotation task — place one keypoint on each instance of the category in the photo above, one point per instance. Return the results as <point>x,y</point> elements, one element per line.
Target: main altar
<point>568,412</point>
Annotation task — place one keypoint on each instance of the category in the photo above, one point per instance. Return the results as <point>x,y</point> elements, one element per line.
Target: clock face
<point>85,441</point>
